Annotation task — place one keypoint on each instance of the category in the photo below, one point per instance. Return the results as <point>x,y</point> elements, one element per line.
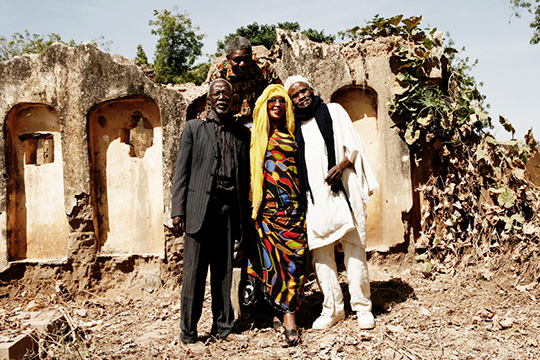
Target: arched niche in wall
<point>125,147</point>
<point>37,225</point>
<point>361,105</point>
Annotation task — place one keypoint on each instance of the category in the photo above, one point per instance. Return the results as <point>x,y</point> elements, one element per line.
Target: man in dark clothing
<point>210,204</point>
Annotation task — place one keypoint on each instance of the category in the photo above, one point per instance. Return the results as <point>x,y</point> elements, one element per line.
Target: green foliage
<point>425,263</point>
<point>27,43</point>
<point>257,34</point>
<point>380,26</point>
<point>517,5</point>
<point>198,73</point>
<point>505,197</point>
<point>178,46</point>
<point>318,36</point>
<point>100,42</point>
<point>266,34</point>
<point>141,55</point>
<point>425,110</point>
<point>478,194</point>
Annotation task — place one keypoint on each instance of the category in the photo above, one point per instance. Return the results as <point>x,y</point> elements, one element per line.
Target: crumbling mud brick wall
<point>88,151</point>
<point>89,142</point>
<point>359,76</point>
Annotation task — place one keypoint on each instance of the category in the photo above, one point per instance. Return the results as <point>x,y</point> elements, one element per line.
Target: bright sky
<point>508,66</point>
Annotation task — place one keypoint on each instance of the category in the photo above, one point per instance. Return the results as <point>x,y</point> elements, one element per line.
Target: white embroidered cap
<point>294,79</point>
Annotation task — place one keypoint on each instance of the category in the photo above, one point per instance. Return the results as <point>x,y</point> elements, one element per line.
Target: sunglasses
<point>273,100</point>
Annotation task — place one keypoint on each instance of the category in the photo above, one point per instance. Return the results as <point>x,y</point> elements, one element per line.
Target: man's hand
<point>202,115</point>
<point>179,225</point>
<point>336,172</point>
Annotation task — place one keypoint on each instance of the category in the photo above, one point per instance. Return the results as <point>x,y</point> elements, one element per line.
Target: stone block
<point>48,322</point>
<point>18,348</point>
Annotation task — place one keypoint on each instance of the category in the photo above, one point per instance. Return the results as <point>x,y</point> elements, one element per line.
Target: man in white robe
<point>337,189</point>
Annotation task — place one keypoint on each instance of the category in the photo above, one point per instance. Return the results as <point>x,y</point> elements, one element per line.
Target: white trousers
<point>355,259</point>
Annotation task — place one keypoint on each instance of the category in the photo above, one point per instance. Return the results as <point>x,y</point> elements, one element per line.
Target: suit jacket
<point>196,165</point>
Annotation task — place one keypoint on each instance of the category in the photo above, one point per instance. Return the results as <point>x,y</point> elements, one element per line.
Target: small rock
<point>395,329</point>
<point>4,339</point>
<point>33,306</point>
<point>365,336</point>
<point>500,324</point>
<point>81,312</point>
<point>507,323</point>
<point>327,341</point>
<point>524,288</point>
<point>424,311</point>
<point>496,323</point>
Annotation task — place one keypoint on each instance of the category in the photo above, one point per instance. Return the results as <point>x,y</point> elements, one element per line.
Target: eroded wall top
<point>72,80</point>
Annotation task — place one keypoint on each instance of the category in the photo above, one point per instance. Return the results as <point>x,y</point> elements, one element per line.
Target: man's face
<point>240,61</point>
<point>220,97</point>
<point>301,95</point>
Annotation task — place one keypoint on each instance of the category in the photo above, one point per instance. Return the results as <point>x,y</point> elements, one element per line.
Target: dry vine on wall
<point>477,202</point>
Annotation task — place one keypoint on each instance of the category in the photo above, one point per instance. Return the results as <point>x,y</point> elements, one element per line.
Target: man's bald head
<point>220,96</point>
<point>219,81</point>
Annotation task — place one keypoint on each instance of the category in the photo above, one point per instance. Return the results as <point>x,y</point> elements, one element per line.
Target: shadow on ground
<point>384,295</point>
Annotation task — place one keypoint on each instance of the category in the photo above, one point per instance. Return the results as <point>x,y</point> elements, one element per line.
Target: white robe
<point>329,218</point>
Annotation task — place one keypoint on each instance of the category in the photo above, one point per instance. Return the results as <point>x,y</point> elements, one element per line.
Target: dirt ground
<point>475,313</point>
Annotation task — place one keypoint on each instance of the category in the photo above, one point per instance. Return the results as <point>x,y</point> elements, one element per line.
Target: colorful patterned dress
<point>281,226</point>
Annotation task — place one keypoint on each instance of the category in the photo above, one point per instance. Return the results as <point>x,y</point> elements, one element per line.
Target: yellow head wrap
<point>259,139</point>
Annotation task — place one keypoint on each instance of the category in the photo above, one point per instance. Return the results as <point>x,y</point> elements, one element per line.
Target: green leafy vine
<point>478,199</point>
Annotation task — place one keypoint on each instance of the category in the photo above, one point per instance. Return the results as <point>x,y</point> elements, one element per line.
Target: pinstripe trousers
<point>211,246</point>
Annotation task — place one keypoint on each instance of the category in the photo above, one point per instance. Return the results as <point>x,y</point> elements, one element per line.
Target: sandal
<point>292,337</point>
<point>278,326</point>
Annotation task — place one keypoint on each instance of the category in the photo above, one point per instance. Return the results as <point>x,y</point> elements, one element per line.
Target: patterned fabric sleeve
<point>262,74</point>
<point>270,73</point>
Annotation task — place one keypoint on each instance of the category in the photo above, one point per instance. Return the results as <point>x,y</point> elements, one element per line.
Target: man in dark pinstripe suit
<point>210,204</point>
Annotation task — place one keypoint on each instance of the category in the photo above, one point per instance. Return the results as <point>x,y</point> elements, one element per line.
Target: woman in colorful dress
<point>279,219</point>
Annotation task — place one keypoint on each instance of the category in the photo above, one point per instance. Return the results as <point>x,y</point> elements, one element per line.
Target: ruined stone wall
<point>88,146</point>
<point>358,75</point>
<point>47,103</point>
